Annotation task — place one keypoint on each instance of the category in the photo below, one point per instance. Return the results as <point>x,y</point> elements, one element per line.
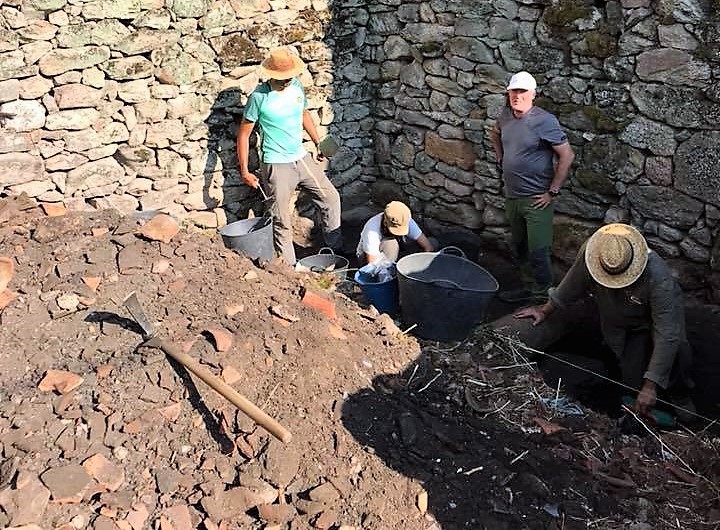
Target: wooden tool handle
<point>241,402</point>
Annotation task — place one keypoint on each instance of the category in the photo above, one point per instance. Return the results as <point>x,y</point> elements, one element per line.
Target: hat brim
<point>636,267</point>
<point>518,87</point>
<point>399,230</point>
<point>269,73</point>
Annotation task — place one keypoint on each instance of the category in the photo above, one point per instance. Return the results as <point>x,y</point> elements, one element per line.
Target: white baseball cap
<point>522,81</point>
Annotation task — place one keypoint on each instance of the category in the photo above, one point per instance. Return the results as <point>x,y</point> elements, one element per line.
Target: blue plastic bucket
<point>383,295</point>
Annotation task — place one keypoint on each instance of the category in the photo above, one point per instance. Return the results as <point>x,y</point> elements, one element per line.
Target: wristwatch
<point>554,193</point>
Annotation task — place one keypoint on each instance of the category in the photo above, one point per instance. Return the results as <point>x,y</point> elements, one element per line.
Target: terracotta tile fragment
<point>317,302</point>
<point>133,427</point>
<point>162,227</point>
<point>230,375</point>
<point>177,286</point>
<point>548,427</point>
<point>160,266</point>
<point>60,381</point>
<point>104,370</point>
<point>137,516</point>
<point>178,517</point>
<point>87,301</point>
<point>92,281</point>
<point>53,209</point>
<point>7,270</point>
<point>6,298</point>
<point>170,413</point>
<point>104,471</point>
<point>223,338</point>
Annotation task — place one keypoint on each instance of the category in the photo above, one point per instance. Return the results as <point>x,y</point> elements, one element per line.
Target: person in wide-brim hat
<point>279,108</point>
<point>281,64</point>
<point>616,255</point>
<point>640,307</point>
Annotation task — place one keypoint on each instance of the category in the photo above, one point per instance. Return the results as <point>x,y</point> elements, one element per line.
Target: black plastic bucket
<point>444,295</point>
<point>325,261</point>
<point>250,237</point>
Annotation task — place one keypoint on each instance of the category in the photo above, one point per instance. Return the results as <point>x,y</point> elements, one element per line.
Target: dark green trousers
<point>532,234</point>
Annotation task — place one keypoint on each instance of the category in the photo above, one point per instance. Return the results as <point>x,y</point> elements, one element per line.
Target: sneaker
<point>522,295</point>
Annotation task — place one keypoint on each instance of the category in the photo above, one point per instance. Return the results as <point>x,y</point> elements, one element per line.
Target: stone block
<point>454,152</point>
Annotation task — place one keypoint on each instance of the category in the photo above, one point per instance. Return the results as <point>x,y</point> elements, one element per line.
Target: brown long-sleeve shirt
<point>653,302</point>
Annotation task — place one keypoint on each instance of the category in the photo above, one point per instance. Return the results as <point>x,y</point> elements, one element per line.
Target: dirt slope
<point>378,420</point>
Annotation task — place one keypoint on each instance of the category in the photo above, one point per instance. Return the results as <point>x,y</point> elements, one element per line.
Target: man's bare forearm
<point>565,157</point>
<point>309,126</point>
<point>243,145</point>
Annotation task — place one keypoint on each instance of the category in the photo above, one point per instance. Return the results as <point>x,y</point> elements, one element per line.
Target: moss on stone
<point>431,47</point>
<point>296,35</point>
<point>594,181</point>
<point>568,236</point>
<point>143,155</point>
<point>602,121</point>
<point>239,50</point>
<point>312,15</point>
<point>600,44</point>
<point>562,14</point>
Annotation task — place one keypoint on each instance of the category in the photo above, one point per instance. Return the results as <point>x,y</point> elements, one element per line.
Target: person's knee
<point>333,198</point>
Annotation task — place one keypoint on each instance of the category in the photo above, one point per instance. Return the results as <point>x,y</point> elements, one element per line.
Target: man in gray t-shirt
<point>535,156</point>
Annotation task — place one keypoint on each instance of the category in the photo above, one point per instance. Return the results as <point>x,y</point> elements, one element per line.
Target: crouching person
<point>391,232</point>
<point>641,311</point>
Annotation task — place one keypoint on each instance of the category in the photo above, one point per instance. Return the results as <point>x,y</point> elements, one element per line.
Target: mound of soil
<point>100,432</point>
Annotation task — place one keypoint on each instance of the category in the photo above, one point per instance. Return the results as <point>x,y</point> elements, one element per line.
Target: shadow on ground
<point>475,468</point>
<point>472,467</point>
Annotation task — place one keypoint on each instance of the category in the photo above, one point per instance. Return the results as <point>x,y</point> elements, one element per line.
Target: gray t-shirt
<point>527,150</point>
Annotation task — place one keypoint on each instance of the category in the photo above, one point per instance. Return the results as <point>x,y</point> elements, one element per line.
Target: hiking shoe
<point>514,296</point>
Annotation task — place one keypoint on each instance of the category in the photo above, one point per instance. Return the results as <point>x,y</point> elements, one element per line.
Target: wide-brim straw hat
<point>616,255</point>
<point>281,64</point>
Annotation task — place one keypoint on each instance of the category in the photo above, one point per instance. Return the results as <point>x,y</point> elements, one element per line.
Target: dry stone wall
<point>634,83</point>
<point>134,104</point>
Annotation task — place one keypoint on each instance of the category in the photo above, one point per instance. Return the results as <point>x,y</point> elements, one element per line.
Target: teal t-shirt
<point>279,114</point>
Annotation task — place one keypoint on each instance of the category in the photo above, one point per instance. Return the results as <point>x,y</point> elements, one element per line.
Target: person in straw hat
<point>279,108</point>
<point>641,311</point>
<point>385,233</point>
